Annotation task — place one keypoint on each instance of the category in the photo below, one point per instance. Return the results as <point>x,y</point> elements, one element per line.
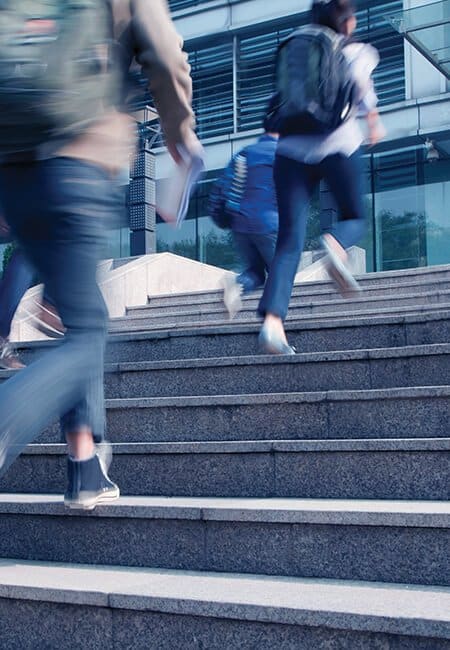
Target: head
<point>338,15</point>
<point>270,123</point>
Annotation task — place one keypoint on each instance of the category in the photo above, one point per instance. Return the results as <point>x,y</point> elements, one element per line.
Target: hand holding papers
<point>173,202</point>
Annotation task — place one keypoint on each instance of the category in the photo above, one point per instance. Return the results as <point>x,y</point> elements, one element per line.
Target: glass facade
<point>249,59</point>
<point>233,76</point>
<point>407,214</point>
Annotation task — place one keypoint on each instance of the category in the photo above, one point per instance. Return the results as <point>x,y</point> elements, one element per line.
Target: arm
<point>375,127</point>
<point>165,65</point>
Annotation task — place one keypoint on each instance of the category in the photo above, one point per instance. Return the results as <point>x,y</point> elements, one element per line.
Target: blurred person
<point>247,190</point>
<point>318,143</point>
<point>17,279</point>
<point>60,220</point>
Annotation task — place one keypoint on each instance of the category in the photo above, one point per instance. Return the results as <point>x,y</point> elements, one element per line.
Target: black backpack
<point>55,75</point>
<point>314,83</point>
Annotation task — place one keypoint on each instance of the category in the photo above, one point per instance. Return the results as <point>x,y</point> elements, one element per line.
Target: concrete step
<point>298,308</point>
<point>123,607</point>
<point>236,339</point>
<point>212,301</point>
<point>422,412</point>
<point>382,541</point>
<point>424,279</point>
<point>355,369</point>
<point>143,324</point>
<point>415,469</point>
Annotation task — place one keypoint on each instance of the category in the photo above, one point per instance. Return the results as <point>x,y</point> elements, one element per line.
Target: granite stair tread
<point>431,296</point>
<point>257,446</point>
<point>299,291</point>
<point>281,398</point>
<point>353,512</point>
<point>433,349</point>
<point>409,610</point>
<point>144,323</point>
<point>392,279</point>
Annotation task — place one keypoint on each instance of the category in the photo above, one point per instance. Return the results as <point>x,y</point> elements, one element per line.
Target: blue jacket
<point>258,211</point>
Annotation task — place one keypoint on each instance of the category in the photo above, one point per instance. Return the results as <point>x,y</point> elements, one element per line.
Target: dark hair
<point>332,13</point>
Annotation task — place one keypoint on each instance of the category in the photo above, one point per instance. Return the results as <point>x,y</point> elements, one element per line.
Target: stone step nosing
<point>431,298</point>
<point>320,319</point>
<point>412,611</point>
<point>332,512</point>
<point>258,446</point>
<point>282,398</point>
<point>420,272</point>
<point>215,295</point>
<point>250,328</point>
<point>405,352</point>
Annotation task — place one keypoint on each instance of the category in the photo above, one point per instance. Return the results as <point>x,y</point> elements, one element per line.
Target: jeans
<point>17,279</point>
<point>59,221</point>
<point>295,183</point>
<point>256,251</point>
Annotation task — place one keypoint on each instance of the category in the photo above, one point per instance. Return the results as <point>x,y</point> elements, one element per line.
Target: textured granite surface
<point>373,469</point>
<point>318,606</point>
<point>404,542</point>
<point>237,339</point>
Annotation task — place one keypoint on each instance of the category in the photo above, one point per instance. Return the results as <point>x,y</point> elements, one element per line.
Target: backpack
<point>55,77</point>
<point>314,83</point>
<point>226,195</point>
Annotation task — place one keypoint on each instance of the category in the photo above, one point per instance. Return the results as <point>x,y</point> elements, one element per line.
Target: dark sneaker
<point>9,359</point>
<point>89,484</point>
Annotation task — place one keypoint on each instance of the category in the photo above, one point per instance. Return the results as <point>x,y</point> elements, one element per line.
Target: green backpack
<point>55,76</point>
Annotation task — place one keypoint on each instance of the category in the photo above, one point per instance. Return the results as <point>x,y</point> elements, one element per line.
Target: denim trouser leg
<point>344,177</point>
<point>256,251</point>
<point>294,182</point>
<point>16,281</point>
<point>60,225</point>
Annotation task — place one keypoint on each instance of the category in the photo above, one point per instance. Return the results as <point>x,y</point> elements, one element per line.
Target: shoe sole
<point>90,504</point>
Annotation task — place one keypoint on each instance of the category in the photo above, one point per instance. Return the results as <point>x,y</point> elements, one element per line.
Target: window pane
<point>179,241</point>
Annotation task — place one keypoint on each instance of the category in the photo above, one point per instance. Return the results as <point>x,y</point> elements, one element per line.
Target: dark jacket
<point>258,211</point>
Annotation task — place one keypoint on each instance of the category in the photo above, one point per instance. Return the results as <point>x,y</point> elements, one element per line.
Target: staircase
<point>268,502</point>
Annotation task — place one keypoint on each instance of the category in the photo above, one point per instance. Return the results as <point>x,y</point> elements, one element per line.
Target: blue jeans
<point>295,183</point>
<point>17,279</point>
<point>256,251</point>
<point>58,210</point>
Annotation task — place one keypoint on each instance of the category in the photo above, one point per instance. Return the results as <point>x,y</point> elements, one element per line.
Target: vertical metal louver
<point>373,28</point>
<point>212,76</point>
<point>255,74</point>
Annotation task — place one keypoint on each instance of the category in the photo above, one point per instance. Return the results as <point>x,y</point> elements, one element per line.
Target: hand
<point>190,143</point>
<point>376,133</point>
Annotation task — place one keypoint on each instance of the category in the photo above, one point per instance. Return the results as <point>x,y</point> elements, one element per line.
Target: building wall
<point>231,45</point>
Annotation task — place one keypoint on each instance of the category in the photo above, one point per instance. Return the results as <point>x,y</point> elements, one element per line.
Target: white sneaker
<point>232,295</point>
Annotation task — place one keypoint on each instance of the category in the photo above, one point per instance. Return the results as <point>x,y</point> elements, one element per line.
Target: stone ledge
<point>339,512</point>
<point>257,446</point>
<point>390,608</point>
<point>281,398</point>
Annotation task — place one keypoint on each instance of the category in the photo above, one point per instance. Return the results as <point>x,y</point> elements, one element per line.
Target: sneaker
<point>48,322</point>
<point>232,295</point>
<point>269,343</point>
<point>9,359</point>
<point>339,272</point>
<point>89,484</point>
